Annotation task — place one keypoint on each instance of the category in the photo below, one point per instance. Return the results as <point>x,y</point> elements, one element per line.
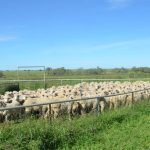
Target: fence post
<point>44,78</point>
<point>50,108</point>
<point>98,105</point>
<point>132,97</point>
<point>147,94</point>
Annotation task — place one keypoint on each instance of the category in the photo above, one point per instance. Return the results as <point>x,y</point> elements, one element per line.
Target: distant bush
<point>141,69</point>
<point>8,87</point>
<point>63,71</point>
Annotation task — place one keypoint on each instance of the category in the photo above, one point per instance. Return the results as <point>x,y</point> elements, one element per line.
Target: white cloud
<point>113,4</point>
<point>138,43</point>
<point>7,38</point>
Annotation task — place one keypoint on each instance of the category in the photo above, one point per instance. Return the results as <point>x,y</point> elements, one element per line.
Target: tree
<point>100,70</point>
<point>49,71</point>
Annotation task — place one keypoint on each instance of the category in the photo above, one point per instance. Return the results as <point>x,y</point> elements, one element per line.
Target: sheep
<point>76,109</point>
<point>60,109</point>
<point>78,91</point>
<point>13,114</point>
<point>35,110</point>
<point>2,105</point>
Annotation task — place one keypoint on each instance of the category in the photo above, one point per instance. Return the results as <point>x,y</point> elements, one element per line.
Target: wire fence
<point>47,83</point>
<point>81,80</point>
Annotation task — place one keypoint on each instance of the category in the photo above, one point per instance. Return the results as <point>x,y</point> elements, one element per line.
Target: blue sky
<point>74,33</point>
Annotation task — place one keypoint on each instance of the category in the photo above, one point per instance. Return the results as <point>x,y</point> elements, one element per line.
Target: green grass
<point>38,75</point>
<point>122,129</point>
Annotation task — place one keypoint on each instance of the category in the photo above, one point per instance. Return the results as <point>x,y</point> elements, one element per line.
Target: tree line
<point>95,71</point>
<point>91,71</point>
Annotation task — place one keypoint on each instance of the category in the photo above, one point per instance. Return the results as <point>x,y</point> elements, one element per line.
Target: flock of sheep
<point>72,108</point>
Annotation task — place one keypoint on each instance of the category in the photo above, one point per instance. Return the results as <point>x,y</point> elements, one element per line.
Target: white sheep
<point>13,114</point>
<point>2,105</point>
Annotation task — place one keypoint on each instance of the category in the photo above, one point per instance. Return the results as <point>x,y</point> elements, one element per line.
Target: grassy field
<point>39,75</point>
<point>12,75</point>
<point>122,129</point>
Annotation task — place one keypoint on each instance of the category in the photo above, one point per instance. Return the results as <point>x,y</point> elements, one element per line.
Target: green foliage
<point>141,69</point>
<point>8,87</point>
<point>104,73</point>
<point>80,71</point>
<point>125,128</point>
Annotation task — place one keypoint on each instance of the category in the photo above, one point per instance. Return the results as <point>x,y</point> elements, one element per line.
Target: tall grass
<point>121,129</point>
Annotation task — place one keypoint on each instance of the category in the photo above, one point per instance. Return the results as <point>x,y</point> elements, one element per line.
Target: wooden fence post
<point>132,97</point>
<point>148,96</point>
<point>98,106</point>
<point>50,108</point>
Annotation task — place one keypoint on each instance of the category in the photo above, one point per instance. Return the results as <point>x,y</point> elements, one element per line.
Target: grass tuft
<point>124,128</point>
